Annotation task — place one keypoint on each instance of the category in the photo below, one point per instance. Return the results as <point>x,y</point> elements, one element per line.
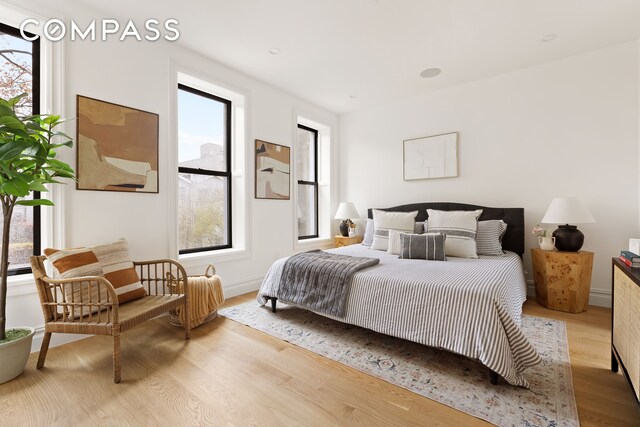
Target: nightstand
<point>346,241</point>
<point>562,279</point>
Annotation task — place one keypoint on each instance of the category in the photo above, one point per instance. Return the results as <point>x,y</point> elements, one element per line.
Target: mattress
<point>472,307</point>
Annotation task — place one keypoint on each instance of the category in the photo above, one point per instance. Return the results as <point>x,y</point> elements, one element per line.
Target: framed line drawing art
<point>117,147</point>
<point>431,157</point>
<point>273,165</point>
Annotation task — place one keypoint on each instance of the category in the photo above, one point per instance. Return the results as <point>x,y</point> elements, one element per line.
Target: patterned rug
<point>439,375</point>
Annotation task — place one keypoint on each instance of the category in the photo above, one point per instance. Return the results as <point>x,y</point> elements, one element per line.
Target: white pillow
<point>384,221</point>
<point>460,227</point>
<point>395,245</point>
<point>368,232</point>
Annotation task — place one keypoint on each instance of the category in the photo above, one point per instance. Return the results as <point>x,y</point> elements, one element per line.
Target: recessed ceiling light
<point>548,38</point>
<point>353,96</point>
<point>430,73</point>
<point>274,51</point>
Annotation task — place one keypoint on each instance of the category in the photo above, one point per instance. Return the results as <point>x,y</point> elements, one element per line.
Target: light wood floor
<point>231,375</point>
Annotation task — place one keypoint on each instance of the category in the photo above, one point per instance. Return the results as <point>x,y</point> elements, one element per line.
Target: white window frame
<point>326,191</point>
<point>52,220</point>
<point>240,211</point>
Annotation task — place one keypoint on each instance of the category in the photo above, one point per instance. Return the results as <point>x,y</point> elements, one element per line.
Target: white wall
<point>138,74</point>
<point>568,127</point>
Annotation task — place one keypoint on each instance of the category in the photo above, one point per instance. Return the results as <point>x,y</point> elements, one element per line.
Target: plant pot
<point>14,355</point>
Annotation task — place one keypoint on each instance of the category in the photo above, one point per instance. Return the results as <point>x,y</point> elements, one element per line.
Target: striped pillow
<point>489,237</point>
<point>118,269</point>
<point>460,227</point>
<point>77,262</point>
<point>430,246</point>
<point>384,221</point>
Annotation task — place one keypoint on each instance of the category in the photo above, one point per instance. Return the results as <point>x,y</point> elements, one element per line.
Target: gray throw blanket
<point>320,280</point>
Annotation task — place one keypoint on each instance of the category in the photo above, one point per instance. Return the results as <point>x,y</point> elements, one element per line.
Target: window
<point>307,173</point>
<point>204,171</point>
<point>20,73</point>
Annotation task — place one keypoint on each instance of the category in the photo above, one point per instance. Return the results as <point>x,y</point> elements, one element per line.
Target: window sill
<point>21,284</point>
<point>209,257</point>
<point>317,243</point>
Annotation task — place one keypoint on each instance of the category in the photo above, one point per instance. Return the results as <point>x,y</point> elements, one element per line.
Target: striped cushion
<point>77,262</point>
<point>384,221</point>
<point>489,237</point>
<point>428,246</point>
<point>118,269</point>
<point>460,227</point>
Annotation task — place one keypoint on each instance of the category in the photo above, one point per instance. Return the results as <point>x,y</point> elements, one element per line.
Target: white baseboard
<point>56,339</point>
<point>242,287</point>
<point>597,297</point>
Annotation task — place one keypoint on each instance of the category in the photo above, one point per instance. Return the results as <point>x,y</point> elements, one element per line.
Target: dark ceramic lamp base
<point>568,238</point>
<point>344,228</point>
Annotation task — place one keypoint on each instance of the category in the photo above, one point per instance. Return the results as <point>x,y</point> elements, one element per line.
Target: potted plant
<point>27,163</point>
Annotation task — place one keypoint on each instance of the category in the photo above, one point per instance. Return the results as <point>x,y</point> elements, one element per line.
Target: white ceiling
<point>333,49</point>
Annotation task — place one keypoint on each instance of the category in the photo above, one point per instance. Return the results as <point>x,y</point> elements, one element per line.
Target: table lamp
<point>567,210</point>
<point>346,211</point>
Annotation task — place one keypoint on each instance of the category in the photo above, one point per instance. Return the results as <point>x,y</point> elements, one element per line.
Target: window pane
<point>202,216</point>
<point>306,210</point>
<point>201,132</point>
<point>16,65</point>
<point>306,155</point>
<point>20,237</point>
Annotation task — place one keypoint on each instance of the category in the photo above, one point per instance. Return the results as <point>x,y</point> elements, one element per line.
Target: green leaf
<point>37,186</point>
<point>36,202</point>
<point>57,164</point>
<point>13,101</point>
<point>15,187</point>
<point>11,122</point>
<point>11,149</point>
<point>50,120</point>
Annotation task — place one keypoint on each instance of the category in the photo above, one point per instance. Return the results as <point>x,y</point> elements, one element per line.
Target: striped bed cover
<point>468,306</point>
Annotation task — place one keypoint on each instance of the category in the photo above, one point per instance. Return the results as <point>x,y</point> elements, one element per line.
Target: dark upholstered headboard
<point>513,239</point>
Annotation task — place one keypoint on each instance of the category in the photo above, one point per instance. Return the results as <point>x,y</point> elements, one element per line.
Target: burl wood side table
<point>562,279</point>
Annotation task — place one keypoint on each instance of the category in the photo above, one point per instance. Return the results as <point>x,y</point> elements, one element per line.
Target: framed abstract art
<point>117,147</point>
<point>273,165</point>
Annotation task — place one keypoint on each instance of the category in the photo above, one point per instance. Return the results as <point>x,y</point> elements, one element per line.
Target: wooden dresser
<point>625,329</point>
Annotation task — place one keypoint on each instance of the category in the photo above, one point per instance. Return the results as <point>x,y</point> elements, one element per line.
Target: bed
<point>472,307</point>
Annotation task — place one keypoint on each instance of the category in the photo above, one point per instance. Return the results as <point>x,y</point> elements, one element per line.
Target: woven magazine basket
<point>205,296</point>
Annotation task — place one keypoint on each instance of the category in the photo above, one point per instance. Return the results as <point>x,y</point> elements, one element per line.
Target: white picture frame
<point>430,157</point>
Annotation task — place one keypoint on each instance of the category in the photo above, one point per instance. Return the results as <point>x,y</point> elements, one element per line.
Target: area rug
<point>451,379</point>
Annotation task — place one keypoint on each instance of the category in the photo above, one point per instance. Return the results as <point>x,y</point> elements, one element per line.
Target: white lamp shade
<point>346,210</point>
<point>567,210</point>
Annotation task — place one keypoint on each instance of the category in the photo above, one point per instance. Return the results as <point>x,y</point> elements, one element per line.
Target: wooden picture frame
<point>273,166</point>
<point>117,147</point>
<point>430,157</point>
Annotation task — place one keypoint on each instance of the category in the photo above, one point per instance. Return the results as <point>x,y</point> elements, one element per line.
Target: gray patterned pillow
<point>489,237</point>
<point>428,246</point>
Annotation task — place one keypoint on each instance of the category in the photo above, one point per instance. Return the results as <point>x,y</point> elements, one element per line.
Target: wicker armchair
<point>106,316</point>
